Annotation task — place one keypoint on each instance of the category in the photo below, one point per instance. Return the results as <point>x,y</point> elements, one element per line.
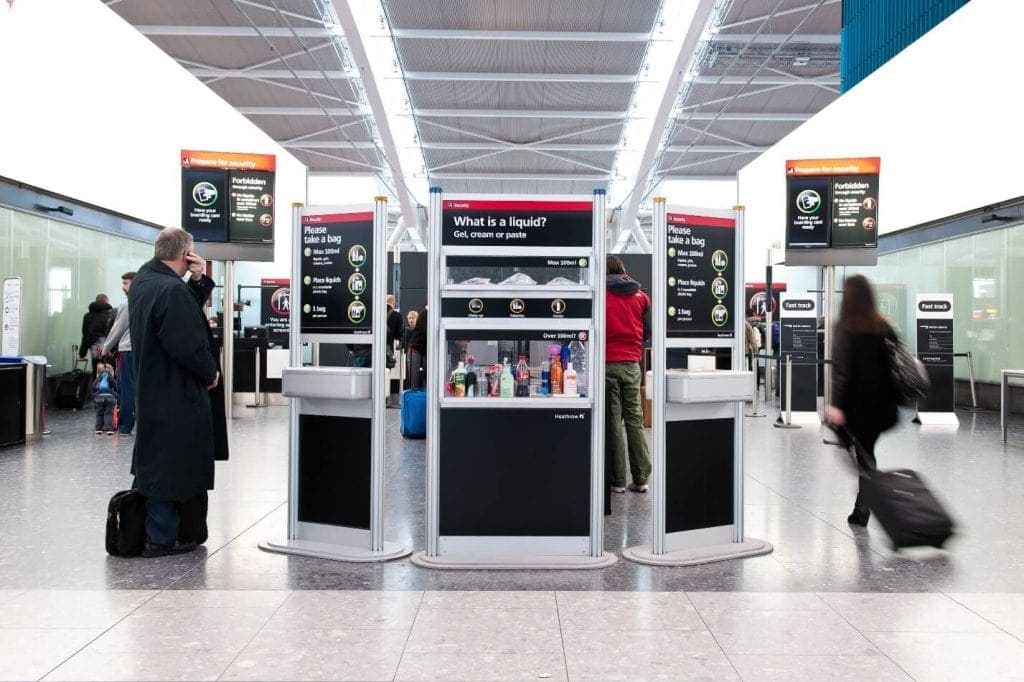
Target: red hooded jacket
<point>627,319</point>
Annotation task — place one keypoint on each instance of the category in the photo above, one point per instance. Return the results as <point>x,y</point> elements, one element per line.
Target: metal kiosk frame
<point>703,396</point>
<point>514,524</point>
<point>328,400</point>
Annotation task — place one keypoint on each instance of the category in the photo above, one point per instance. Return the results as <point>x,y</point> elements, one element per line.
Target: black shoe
<point>153,550</point>
<point>858,518</point>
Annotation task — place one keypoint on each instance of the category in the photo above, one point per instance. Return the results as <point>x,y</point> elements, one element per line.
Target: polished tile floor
<point>829,603</point>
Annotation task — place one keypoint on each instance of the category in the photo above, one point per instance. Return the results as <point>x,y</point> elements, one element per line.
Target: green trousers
<point>622,406</point>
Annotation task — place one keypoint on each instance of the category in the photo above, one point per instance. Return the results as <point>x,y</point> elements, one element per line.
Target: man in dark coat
<point>174,369</point>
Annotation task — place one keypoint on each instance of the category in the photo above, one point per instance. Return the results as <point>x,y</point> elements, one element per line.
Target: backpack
<point>104,382</point>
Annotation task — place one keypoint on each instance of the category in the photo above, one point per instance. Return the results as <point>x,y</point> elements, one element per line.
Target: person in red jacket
<point>627,324</point>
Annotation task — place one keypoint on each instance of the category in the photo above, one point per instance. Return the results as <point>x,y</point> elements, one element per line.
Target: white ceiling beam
<point>328,144</point>
<point>776,38</point>
<point>715,148</point>
<point>498,175</point>
<point>236,31</point>
<point>828,79</point>
<point>780,13</point>
<point>275,74</point>
<point>558,36</point>
<point>521,113</point>
<point>524,77</point>
<point>275,10</point>
<point>301,111</point>
<point>754,116</point>
<point>640,169</point>
<point>547,147</point>
<point>701,178</point>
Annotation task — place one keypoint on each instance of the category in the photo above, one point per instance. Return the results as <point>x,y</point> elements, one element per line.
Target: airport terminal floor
<point>829,602</point>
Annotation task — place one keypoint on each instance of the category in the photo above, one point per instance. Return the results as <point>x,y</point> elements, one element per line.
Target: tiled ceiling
<point>511,96</point>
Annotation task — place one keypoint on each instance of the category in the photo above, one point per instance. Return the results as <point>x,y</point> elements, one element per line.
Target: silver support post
<point>739,341</point>
<point>315,354</point>
<point>830,313</point>
<point>787,422</point>
<point>228,367</point>
<point>753,405</point>
<point>294,360</point>
<point>970,374</point>
<point>658,361</point>
<point>379,392</point>
<point>768,376</point>
<point>596,380</point>
<point>256,395</point>
<point>435,347</point>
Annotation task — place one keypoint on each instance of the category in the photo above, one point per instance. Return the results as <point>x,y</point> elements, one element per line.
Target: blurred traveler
<point>95,324</point>
<point>863,399</point>
<point>418,351</point>
<point>627,325</point>
<point>174,370</point>
<point>120,340</point>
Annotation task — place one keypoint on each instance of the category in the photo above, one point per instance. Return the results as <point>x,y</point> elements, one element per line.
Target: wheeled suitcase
<point>414,413</point>
<point>71,390</point>
<point>901,501</point>
<point>126,523</point>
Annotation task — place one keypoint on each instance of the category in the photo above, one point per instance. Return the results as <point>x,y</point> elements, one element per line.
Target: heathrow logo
<point>808,202</point>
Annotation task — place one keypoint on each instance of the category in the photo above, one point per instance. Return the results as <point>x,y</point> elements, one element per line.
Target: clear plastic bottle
<point>578,359</point>
<point>459,380</point>
<point>522,377</point>
<point>570,389</point>
<point>508,382</point>
<point>556,375</point>
<point>545,378</point>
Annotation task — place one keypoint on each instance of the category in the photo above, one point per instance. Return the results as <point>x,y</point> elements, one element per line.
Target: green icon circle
<point>307,252</point>
<point>306,308</point>
<point>719,288</point>
<point>671,311</point>
<point>671,252</point>
<point>719,260</point>
<point>356,312</point>
<point>356,283</point>
<point>808,201</point>
<point>205,193</point>
<point>357,256</point>
<point>719,315</point>
<point>583,262</point>
<point>671,281</point>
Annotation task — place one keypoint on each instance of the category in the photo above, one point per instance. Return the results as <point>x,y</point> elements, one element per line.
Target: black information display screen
<point>337,273</point>
<point>809,214</point>
<point>204,203</point>
<point>251,206</point>
<point>499,222</point>
<point>855,210</point>
<point>701,276</point>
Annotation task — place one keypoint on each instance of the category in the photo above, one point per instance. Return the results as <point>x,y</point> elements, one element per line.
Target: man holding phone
<point>174,370</point>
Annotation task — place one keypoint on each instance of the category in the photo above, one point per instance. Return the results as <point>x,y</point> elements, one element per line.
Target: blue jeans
<point>126,379</point>
<point>162,522</point>
<point>104,403</point>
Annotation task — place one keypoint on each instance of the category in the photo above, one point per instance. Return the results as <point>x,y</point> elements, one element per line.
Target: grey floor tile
<point>347,610</point>
<point>644,655</point>
<point>72,608</point>
<point>320,655</point>
<point>481,667</point>
<point>747,631</point>
<point>98,665</point>
<point>1005,610</point>
<point>485,631</point>
<point>181,630</point>
<point>877,668</point>
<point>627,611</point>
<point>218,598</point>
<point>494,599</point>
<point>30,653</point>
<point>775,601</point>
<point>913,612</point>
<point>954,656</point>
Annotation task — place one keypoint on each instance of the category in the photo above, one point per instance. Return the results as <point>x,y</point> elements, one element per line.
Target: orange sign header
<point>228,160</point>
<point>868,165</point>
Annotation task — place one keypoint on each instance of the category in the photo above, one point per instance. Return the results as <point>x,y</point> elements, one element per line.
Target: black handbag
<point>126,523</point>
<point>909,377</point>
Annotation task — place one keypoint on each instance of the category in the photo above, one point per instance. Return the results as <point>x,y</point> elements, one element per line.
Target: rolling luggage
<point>414,413</point>
<point>901,501</point>
<point>71,390</point>
<point>126,524</point>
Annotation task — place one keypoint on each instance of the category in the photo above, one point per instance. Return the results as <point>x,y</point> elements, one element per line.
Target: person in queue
<point>418,352</point>
<point>863,399</point>
<point>120,340</point>
<point>174,370</point>
<point>627,324</point>
<point>95,324</point>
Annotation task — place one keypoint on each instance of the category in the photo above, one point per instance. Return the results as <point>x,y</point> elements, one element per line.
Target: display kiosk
<point>935,350</point>
<point>515,473</point>
<point>697,478</point>
<point>336,432</point>
<point>798,357</point>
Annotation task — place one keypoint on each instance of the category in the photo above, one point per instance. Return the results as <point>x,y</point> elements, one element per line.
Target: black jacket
<point>95,324</point>
<point>418,337</point>
<point>861,381</point>
<point>394,325</point>
<point>173,457</point>
<point>201,290</point>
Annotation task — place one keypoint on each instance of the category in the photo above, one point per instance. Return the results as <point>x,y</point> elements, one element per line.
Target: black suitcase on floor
<point>126,523</point>
<point>71,390</point>
<point>907,509</point>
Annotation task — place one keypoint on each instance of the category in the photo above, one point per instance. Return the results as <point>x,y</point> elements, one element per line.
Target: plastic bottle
<point>522,377</point>
<point>545,378</point>
<point>459,379</point>
<point>556,375</point>
<point>578,358</point>
<point>507,381</point>
<point>564,353</point>
<point>569,379</point>
<point>471,385</point>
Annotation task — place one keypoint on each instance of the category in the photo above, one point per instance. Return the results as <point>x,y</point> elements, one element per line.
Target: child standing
<point>104,395</point>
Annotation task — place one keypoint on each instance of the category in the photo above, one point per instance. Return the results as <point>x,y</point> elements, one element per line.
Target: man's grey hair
<point>170,243</point>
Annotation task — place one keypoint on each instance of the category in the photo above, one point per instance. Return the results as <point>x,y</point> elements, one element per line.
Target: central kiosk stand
<point>515,479</point>
<point>336,432</point>
<point>697,478</point>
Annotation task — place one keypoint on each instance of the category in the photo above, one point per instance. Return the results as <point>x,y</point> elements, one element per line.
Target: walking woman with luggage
<point>863,398</point>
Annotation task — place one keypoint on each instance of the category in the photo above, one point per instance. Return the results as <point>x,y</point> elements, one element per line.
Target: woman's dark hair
<point>858,313</point>
<point>615,266</point>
